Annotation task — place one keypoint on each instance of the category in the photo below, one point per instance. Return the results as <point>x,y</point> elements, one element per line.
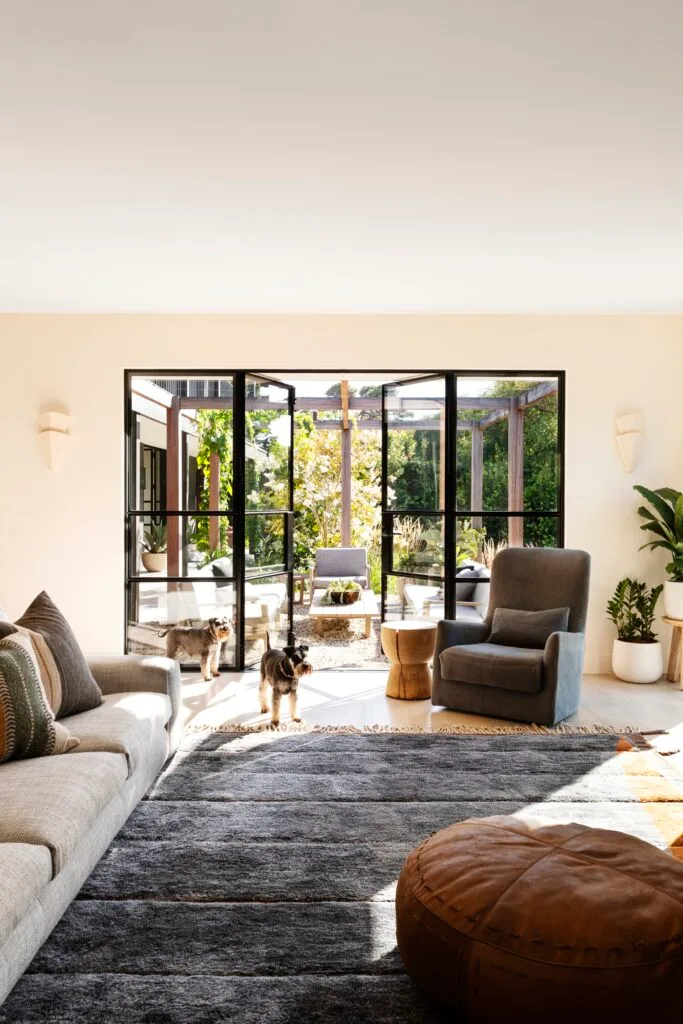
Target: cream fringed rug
<point>255,885</point>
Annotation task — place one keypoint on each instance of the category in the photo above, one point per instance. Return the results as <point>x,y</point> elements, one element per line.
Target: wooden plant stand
<point>409,645</point>
<point>674,672</point>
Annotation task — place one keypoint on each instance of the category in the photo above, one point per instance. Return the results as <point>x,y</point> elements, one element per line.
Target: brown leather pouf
<point>506,921</point>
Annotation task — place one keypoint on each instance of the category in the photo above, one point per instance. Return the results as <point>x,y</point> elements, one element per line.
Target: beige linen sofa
<point>59,814</point>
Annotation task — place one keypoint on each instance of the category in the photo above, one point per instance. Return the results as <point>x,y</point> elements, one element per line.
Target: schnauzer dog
<point>282,669</point>
<point>205,641</point>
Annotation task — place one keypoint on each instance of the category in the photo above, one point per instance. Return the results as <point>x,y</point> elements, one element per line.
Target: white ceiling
<point>341,155</point>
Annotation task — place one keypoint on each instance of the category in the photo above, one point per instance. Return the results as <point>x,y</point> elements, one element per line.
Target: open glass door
<point>416,500</point>
<point>264,545</point>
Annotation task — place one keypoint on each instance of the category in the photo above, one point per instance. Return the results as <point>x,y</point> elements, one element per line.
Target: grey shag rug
<point>255,885</point>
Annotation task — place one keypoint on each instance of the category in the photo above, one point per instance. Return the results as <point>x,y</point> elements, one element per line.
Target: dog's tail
<point>267,639</point>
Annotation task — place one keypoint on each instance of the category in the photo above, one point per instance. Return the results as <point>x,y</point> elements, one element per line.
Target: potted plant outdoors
<point>351,591</point>
<point>666,523</point>
<point>636,654</point>
<point>154,547</point>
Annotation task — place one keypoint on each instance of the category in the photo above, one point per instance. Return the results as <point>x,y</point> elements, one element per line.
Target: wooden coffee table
<point>365,607</point>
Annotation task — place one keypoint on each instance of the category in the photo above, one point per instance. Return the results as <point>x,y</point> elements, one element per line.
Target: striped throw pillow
<point>27,724</point>
<point>64,672</point>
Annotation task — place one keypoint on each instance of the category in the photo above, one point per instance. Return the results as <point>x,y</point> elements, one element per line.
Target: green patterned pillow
<point>27,725</point>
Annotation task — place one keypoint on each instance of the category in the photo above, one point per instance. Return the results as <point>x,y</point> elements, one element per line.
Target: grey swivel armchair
<point>521,678</point>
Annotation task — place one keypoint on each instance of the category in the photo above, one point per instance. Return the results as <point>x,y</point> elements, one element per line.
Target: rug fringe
<point>455,730</point>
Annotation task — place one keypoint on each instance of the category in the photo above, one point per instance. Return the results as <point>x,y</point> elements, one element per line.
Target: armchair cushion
<point>514,628</point>
<point>341,563</point>
<point>487,664</point>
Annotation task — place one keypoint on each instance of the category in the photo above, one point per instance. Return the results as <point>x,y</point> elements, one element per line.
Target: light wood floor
<point>358,698</point>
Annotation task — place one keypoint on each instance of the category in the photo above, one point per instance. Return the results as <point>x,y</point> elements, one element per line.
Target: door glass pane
<point>264,544</point>
<point>507,444</point>
<point>418,544</point>
<point>182,444</point>
<point>181,546</point>
<point>408,597</point>
<point>416,435</point>
<point>268,441</point>
<point>266,614</point>
<point>154,608</point>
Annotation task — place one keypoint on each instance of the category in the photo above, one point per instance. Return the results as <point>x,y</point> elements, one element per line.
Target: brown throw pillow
<point>514,628</point>
<point>64,672</point>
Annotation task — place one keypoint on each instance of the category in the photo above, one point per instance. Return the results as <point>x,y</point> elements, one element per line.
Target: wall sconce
<point>630,439</point>
<point>53,437</point>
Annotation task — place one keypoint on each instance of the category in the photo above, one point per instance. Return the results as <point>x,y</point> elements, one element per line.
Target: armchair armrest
<point>452,633</point>
<point>562,668</point>
<point>130,673</point>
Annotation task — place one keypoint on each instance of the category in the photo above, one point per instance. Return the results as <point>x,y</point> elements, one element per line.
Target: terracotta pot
<point>154,561</point>
<point>350,596</point>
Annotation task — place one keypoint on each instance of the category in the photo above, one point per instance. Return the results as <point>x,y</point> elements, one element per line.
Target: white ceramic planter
<point>154,561</point>
<point>673,600</point>
<point>637,663</point>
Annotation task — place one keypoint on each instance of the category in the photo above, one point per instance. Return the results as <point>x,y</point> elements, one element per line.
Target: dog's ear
<point>289,651</point>
<point>303,648</point>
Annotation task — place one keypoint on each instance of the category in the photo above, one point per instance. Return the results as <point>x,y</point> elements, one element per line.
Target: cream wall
<point>64,531</point>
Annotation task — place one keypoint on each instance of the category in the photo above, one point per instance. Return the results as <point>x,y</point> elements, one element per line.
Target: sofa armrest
<point>130,673</point>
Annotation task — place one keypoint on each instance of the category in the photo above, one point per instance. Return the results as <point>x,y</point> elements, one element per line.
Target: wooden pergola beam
<point>355,404</point>
<point>516,473</point>
<point>345,467</point>
<point>477,474</point>
<point>214,500</point>
<point>463,425</point>
<point>174,488</point>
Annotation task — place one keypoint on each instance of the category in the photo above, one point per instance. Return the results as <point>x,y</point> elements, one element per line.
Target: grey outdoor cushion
<point>508,668</point>
<point>514,628</point>
<point>341,563</point>
<point>466,582</point>
<point>324,581</point>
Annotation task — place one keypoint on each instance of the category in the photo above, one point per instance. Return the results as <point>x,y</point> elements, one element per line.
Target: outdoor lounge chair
<point>339,564</point>
<point>521,661</point>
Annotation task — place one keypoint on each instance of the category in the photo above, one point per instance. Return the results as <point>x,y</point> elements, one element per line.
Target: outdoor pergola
<point>176,413</point>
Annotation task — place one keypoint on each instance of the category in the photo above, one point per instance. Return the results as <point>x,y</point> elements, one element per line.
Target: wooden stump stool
<point>675,670</point>
<point>409,646</point>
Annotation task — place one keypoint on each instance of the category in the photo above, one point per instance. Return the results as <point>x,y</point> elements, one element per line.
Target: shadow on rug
<point>256,883</point>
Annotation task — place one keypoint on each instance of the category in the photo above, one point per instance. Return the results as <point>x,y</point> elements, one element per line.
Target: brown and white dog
<point>281,670</point>
<point>203,641</point>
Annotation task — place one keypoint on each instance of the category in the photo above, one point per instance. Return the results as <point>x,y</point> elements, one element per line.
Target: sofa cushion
<point>124,723</point>
<point>516,628</point>
<point>54,801</point>
<point>64,671</point>
<point>509,668</point>
<point>466,581</point>
<point>27,724</point>
<point>25,870</point>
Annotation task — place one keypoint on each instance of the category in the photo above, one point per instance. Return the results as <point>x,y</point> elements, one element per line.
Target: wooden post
<point>516,473</point>
<point>477,474</point>
<point>214,499</point>
<point>345,467</point>
<point>173,488</point>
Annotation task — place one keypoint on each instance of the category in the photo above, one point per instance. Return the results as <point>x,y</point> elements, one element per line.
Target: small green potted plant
<point>665,521</point>
<point>350,592</point>
<point>154,545</point>
<point>636,654</point>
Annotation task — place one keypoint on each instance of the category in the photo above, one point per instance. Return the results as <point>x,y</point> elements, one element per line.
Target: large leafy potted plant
<point>637,654</point>
<point>665,521</point>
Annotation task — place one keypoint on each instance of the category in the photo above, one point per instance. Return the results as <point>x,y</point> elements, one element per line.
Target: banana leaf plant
<point>665,521</point>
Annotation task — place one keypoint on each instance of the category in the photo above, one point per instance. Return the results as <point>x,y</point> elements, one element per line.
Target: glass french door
<point>209,511</point>
<point>265,528</point>
<point>417,521</point>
